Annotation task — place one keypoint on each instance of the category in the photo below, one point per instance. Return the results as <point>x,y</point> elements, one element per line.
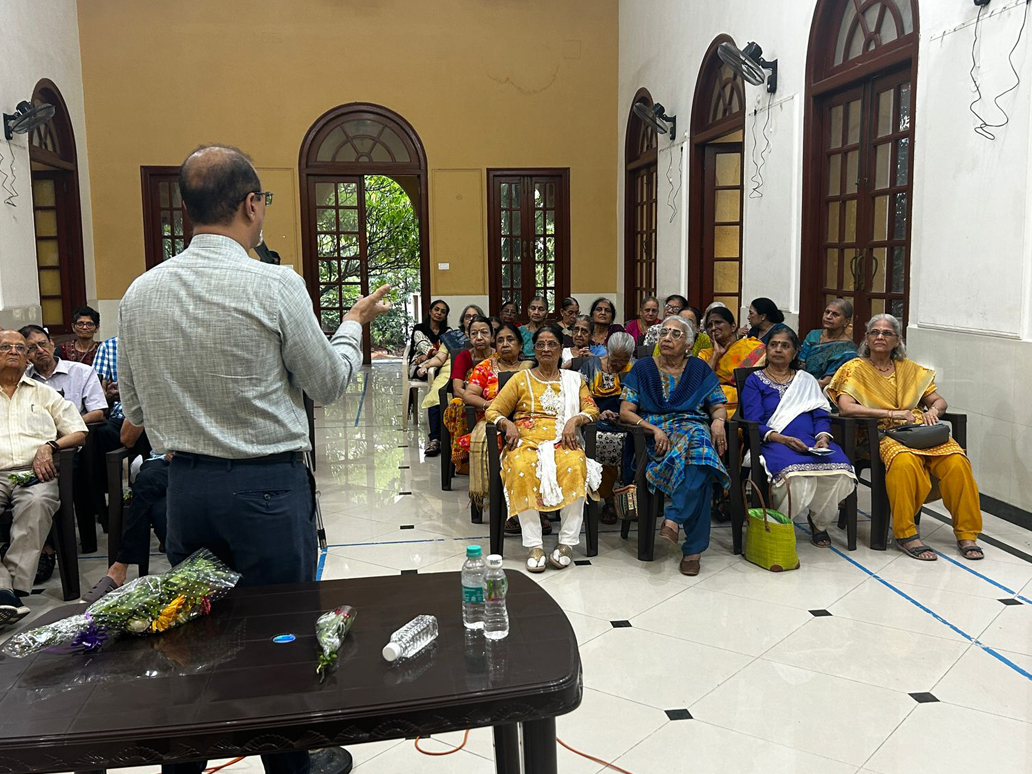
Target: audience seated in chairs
<point>457,339</point>
<point>764,318</point>
<point>794,417</point>
<point>548,405</point>
<point>481,389</point>
<point>827,349</point>
<point>729,352</point>
<point>604,376</point>
<point>537,311</point>
<point>510,313</point>
<point>482,340</point>
<point>678,401</point>
<point>83,348</point>
<point>581,345</point>
<point>648,315</point>
<point>881,383</point>
<point>77,383</point>
<point>146,510</point>
<point>672,304</point>
<point>688,312</point>
<point>425,352</point>
<point>569,309</point>
<point>41,423</point>
<point>603,314</point>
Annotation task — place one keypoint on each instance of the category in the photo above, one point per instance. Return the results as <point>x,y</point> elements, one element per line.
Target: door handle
<point>874,272</point>
<point>857,267</point>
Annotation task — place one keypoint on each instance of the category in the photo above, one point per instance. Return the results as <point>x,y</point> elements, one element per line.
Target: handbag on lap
<point>920,436</point>
<point>770,540</point>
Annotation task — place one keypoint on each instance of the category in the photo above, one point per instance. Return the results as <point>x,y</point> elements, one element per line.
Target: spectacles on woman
<point>882,334</point>
<point>87,324</point>
<point>670,333</point>
<point>672,309</point>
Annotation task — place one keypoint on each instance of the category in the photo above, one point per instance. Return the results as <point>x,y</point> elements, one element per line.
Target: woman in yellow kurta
<point>729,352</point>
<point>882,384</point>
<point>544,467</point>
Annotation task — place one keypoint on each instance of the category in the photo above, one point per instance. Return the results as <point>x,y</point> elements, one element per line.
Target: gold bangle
<point>639,421</point>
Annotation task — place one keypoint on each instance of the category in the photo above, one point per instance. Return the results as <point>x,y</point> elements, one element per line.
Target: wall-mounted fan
<point>750,64</point>
<point>657,118</point>
<point>25,118</point>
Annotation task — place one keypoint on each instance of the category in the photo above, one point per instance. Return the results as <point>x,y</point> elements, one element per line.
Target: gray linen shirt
<point>215,349</point>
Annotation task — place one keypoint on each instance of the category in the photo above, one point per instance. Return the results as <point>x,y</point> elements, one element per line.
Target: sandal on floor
<point>512,526</point>
<point>967,551</point>
<point>916,551</point>
<point>546,525</point>
<point>668,533</point>
<point>433,448</point>
<point>819,538</point>
<point>536,560</point>
<point>608,514</point>
<point>689,567</point>
<point>561,557</point>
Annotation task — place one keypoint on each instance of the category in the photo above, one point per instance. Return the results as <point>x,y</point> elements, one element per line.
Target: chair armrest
<point>471,418</point>
<point>843,429</point>
<point>443,395</point>
<point>65,460</point>
<point>590,431</point>
<point>958,422</point>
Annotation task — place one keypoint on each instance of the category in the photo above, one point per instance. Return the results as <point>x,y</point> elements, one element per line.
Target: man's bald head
<point>14,353</point>
<point>214,180</point>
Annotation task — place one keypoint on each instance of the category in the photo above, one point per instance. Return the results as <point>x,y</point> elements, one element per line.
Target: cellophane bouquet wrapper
<point>148,605</point>
<point>330,630</point>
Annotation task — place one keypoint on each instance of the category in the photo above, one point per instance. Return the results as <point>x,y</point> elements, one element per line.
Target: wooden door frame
<point>151,238</point>
<point>708,217</point>
<point>632,169</point>
<point>322,125</point>
<point>494,234</point>
<point>823,80</point>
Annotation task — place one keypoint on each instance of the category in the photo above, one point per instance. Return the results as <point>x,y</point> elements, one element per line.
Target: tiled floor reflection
<point>735,670</point>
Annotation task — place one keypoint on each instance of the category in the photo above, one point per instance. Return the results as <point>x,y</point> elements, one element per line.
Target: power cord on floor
<point>222,766</point>
<point>465,739</point>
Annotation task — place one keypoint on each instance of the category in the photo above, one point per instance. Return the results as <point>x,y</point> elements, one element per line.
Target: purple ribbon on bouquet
<point>89,639</point>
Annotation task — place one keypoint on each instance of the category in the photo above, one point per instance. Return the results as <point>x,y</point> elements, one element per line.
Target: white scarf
<point>803,395</point>
<point>569,400</point>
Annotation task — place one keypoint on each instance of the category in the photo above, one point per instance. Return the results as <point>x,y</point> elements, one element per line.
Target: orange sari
<point>747,352</point>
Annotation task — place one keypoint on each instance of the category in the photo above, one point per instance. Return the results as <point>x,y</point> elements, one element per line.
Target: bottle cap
<point>391,651</point>
<point>473,551</point>
<point>494,560</point>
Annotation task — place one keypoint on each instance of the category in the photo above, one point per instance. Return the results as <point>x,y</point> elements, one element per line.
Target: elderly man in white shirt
<point>35,422</point>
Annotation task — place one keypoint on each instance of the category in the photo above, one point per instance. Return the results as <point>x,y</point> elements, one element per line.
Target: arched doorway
<point>716,185</point>
<point>56,213</point>
<point>858,158</point>
<point>640,156</point>
<point>365,219</point>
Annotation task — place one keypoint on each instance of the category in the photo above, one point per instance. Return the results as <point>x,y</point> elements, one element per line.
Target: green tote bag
<point>770,540</point>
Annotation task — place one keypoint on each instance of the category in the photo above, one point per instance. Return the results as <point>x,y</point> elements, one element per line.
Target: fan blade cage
<point>750,71</point>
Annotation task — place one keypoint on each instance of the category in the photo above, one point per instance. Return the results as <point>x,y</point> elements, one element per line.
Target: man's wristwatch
<point>53,445</point>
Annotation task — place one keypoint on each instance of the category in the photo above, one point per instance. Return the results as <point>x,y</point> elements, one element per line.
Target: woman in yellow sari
<point>729,352</point>
<point>883,384</point>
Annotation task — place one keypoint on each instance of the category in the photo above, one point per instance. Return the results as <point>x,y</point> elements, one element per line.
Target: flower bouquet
<point>148,605</point>
<point>330,630</point>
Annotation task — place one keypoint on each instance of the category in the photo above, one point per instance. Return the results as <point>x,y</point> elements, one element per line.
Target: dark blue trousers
<point>259,518</point>
<point>147,509</point>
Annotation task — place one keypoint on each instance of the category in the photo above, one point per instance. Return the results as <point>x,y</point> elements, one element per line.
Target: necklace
<point>677,369</point>
<point>541,375</point>
<point>891,367</point>
<point>773,378</point>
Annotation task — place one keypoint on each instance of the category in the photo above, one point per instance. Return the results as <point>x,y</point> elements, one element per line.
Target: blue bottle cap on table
<point>473,551</point>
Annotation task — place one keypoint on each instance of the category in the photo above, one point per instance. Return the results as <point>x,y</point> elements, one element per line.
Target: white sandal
<point>536,560</point>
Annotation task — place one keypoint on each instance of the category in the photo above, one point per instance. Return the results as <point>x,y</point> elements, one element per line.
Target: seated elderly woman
<point>648,315</point>
<point>729,352</point>
<point>481,337</point>
<point>691,314</point>
<point>582,345</point>
<point>797,451</point>
<point>883,384</point>
<point>830,347</point>
<point>481,389</point>
<point>603,375</point>
<point>677,400</point>
<point>544,467</point>
<point>764,319</point>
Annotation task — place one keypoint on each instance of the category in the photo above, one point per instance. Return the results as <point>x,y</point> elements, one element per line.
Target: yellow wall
<point>485,83</point>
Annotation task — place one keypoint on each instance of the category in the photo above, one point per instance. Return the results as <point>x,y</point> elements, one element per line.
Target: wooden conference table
<point>220,686</point>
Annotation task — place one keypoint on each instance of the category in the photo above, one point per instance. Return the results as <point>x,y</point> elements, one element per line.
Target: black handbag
<point>920,436</point>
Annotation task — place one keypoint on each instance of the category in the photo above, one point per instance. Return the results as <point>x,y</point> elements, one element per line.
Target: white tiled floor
<point>770,686</point>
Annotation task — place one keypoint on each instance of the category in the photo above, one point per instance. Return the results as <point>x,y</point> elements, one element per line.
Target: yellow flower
<point>168,615</point>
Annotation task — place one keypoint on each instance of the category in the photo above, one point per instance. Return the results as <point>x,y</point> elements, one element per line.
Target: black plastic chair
<point>577,362</point>
<point>844,432</point>
<point>116,505</point>
<point>648,503</point>
<point>447,468</point>
<point>643,350</point>
<point>497,511</point>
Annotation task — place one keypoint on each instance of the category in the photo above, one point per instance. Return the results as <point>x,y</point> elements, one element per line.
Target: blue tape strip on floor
<point>361,401</point>
<point>973,640</point>
<point>986,578</point>
<point>322,564</point>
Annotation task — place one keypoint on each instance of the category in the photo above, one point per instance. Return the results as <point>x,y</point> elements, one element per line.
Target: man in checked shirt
<point>215,350</point>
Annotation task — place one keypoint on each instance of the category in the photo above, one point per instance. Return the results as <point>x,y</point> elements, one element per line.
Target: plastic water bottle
<point>411,638</point>
<point>473,589</point>
<point>496,617</point>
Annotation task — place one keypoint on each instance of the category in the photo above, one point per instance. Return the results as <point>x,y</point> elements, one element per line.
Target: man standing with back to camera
<point>215,351</point>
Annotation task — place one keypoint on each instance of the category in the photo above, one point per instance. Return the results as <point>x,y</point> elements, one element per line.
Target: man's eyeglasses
<point>19,348</point>
<point>34,348</point>
<point>880,334</point>
<point>84,325</point>
<point>266,194</point>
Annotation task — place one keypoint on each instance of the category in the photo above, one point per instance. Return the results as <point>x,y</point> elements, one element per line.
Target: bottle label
<point>473,594</point>
<point>496,588</point>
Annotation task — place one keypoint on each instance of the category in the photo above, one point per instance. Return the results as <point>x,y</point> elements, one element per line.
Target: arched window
<point>715,188</point>
<point>858,163</point>
<point>56,213</point>
<point>365,217</point>
<point>640,219</point>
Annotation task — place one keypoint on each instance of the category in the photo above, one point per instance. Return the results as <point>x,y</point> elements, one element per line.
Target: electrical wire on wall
<point>983,127</point>
<point>675,192</point>
<point>757,178</point>
<point>12,193</point>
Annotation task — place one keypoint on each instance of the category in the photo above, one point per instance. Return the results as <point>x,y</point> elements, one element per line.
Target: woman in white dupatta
<point>544,467</point>
<point>797,450</point>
